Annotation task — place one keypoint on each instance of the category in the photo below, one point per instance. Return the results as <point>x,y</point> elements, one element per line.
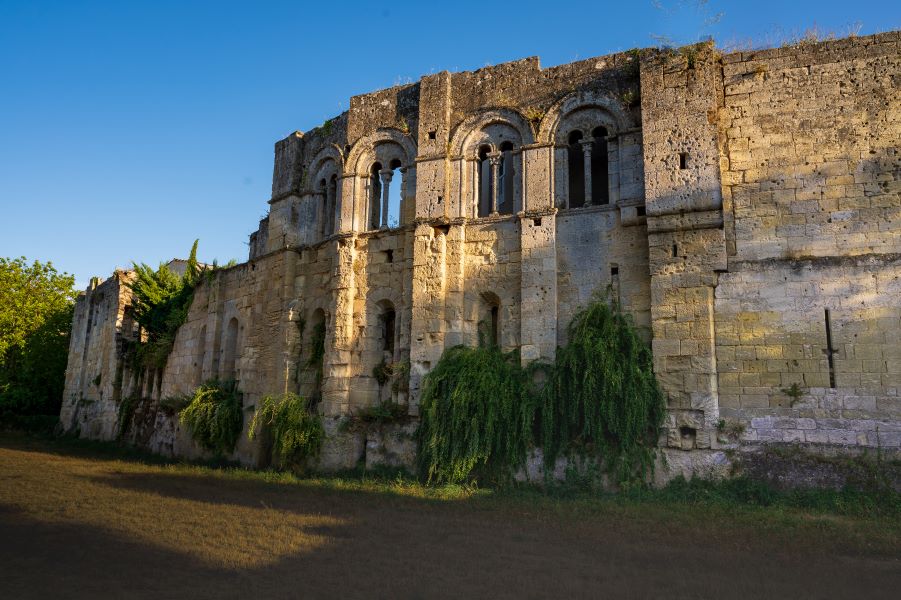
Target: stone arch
<point>579,159</point>
<point>549,130</point>
<point>363,152</point>
<point>466,139</point>
<point>489,166</point>
<point>387,150</point>
<point>319,167</point>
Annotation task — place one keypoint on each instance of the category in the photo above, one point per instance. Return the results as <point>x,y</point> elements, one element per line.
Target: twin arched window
<point>496,170</point>
<point>587,168</point>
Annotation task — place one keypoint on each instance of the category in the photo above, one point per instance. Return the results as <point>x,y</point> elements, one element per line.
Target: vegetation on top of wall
<point>36,305</point>
<point>481,410</point>
<point>291,428</point>
<point>161,302</point>
<point>215,416</point>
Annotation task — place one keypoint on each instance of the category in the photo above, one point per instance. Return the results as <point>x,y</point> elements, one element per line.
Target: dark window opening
<point>495,311</point>
<point>484,182</point>
<point>375,196</point>
<point>576,171</point>
<point>600,192</point>
<point>614,270</point>
<point>536,222</point>
<point>389,256</point>
<point>505,180</point>
<point>640,211</point>
<point>388,322</point>
<point>323,206</point>
<point>331,205</point>
<point>830,350</point>
<point>683,160</point>
<point>433,135</point>
<point>675,251</point>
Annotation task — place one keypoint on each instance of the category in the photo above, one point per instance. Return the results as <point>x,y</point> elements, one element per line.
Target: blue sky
<point>128,129</point>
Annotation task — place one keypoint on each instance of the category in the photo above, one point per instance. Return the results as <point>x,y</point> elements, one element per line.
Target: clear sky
<point>128,129</point>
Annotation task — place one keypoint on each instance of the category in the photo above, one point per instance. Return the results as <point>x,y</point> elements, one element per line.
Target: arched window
<point>387,330</point>
<point>600,193</point>
<point>323,208</point>
<point>576,166</point>
<point>388,323</point>
<point>331,205</point>
<point>505,180</point>
<point>230,351</point>
<point>395,193</point>
<point>489,320</point>
<point>375,196</point>
<point>484,181</point>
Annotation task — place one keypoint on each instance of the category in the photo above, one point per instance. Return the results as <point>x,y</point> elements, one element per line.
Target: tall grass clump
<point>602,398</point>
<point>215,416</point>
<point>477,413</point>
<point>293,430</point>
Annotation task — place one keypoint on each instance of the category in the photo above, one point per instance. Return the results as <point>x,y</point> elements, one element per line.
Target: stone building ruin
<point>744,208</point>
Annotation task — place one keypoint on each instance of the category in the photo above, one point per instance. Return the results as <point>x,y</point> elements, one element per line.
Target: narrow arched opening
<point>323,207</point>
<point>387,323</point>
<point>489,326</point>
<point>375,196</point>
<point>600,192</point>
<point>485,183</point>
<point>576,167</point>
<point>505,176</point>
<point>332,205</point>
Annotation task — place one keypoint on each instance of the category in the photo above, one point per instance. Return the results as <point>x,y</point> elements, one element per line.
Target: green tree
<point>161,303</point>
<point>36,304</point>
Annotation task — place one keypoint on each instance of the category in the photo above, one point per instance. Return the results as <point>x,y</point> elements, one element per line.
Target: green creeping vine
<point>481,411</point>
<point>214,416</point>
<point>294,429</point>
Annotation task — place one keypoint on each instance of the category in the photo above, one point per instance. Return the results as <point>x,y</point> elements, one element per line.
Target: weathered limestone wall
<point>729,203</point>
<point>812,211</point>
<point>101,325</point>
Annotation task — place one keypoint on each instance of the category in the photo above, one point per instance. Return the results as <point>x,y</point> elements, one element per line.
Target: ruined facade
<point>744,208</point>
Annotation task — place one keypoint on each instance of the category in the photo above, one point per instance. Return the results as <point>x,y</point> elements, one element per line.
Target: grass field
<point>82,520</point>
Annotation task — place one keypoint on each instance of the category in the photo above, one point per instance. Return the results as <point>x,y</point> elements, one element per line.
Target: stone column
<point>386,182</point>
<point>494,160</point>
<point>586,153</point>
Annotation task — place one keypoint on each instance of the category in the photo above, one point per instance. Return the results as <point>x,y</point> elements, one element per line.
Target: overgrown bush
<point>215,416</point>
<point>161,302</point>
<point>481,411</point>
<point>477,413</point>
<point>602,396</point>
<point>293,428</point>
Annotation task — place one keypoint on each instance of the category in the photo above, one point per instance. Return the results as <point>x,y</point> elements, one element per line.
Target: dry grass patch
<point>58,489</point>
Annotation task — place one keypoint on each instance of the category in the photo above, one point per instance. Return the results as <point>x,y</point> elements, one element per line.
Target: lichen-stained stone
<point>745,210</point>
